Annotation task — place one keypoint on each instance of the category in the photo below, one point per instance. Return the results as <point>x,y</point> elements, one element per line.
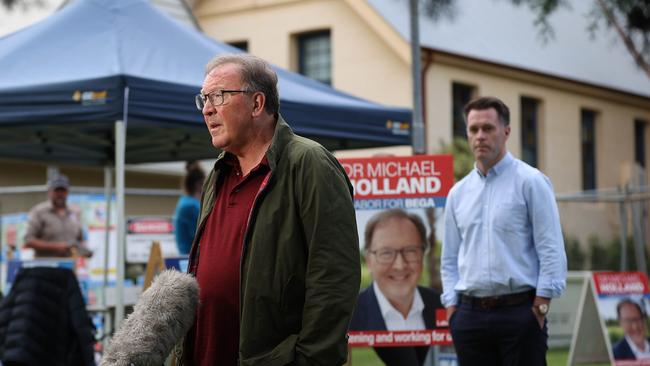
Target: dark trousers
<point>504,336</point>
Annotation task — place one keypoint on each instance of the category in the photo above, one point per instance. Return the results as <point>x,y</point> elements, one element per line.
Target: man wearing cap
<point>53,229</point>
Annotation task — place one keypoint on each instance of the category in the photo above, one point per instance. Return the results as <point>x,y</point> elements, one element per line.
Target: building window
<point>529,130</point>
<point>242,45</point>
<point>315,56</point>
<point>588,142</point>
<point>461,94</point>
<point>639,142</point>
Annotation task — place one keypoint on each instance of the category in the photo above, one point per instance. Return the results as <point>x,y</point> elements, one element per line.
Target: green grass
<point>367,357</point>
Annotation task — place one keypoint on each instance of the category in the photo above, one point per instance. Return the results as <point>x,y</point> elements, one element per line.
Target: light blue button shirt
<point>502,234</point>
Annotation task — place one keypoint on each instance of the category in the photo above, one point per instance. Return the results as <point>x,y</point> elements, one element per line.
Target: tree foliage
<point>463,156</point>
<point>630,19</point>
<point>20,4</point>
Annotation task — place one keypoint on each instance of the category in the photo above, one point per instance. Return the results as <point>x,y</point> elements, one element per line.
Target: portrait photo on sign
<point>626,321</point>
<point>398,314</point>
<point>399,319</point>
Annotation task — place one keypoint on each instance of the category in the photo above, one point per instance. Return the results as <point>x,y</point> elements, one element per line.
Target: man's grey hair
<point>257,75</point>
<point>395,213</point>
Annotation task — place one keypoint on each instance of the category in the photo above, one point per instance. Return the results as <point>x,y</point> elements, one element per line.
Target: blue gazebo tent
<point>74,85</point>
<point>64,81</point>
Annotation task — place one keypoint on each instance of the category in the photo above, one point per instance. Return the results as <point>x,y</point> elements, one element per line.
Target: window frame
<point>302,40</point>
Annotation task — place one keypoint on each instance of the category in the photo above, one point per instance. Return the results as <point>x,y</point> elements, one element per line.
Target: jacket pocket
<point>283,354</point>
<point>292,301</point>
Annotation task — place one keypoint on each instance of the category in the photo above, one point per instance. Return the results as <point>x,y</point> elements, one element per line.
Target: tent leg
<point>108,177</point>
<point>120,152</point>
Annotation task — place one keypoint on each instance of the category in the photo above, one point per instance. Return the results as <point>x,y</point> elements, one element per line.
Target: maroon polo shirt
<point>216,336</point>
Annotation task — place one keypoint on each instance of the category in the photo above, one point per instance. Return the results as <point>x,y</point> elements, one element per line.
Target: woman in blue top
<point>187,208</point>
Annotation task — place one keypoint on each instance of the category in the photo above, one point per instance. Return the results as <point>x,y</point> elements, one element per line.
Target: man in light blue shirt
<point>503,255</point>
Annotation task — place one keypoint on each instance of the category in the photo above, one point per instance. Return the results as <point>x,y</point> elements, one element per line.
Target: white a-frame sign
<point>612,322</point>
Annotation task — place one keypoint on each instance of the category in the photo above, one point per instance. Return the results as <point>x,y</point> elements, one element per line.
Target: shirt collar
<point>499,167</point>
<point>50,207</point>
<point>386,308</point>
<point>637,352</point>
<point>231,161</point>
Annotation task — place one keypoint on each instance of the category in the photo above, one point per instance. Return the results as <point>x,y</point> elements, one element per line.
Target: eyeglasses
<point>633,320</point>
<point>409,254</point>
<point>216,97</point>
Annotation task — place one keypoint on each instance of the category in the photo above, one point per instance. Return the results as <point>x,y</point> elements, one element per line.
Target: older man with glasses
<point>276,252</point>
<point>394,247</point>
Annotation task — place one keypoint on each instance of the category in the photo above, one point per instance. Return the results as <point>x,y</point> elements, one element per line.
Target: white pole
<point>120,137</point>
<point>108,185</point>
<point>108,177</point>
<point>120,159</point>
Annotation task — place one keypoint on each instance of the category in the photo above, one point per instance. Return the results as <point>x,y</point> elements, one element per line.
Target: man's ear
<point>259,102</point>
<point>368,259</point>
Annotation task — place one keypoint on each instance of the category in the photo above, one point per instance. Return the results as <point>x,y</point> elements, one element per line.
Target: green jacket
<point>300,269</point>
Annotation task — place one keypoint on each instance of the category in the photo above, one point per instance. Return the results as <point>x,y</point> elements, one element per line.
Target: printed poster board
<point>13,229</point>
<point>623,304</point>
<point>142,231</point>
<point>414,184</point>
<point>91,211</point>
<point>613,310</point>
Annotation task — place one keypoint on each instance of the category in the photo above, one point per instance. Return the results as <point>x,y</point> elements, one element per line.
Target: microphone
<point>161,317</point>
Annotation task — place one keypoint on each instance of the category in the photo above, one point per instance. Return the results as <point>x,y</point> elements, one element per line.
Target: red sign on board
<point>150,226</point>
<point>614,283</point>
<point>399,338</point>
<point>400,182</point>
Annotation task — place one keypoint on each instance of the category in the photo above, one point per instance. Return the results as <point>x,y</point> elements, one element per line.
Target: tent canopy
<point>65,80</point>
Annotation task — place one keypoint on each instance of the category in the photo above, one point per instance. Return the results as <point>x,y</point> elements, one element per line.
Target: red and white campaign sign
<point>150,226</point>
<point>399,338</point>
<point>142,231</point>
<point>622,299</point>
<point>420,181</point>
<point>621,283</point>
<point>441,318</point>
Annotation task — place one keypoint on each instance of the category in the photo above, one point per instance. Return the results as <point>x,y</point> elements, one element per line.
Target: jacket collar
<point>281,136</point>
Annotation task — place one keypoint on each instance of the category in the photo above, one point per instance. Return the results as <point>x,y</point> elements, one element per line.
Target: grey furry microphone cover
<point>160,318</point>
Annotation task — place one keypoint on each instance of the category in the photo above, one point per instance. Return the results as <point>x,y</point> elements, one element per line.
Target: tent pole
<point>119,194</point>
<point>120,158</point>
<point>107,329</point>
<point>107,227</point>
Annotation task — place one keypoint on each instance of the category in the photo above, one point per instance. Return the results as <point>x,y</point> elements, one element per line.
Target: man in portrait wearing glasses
<point>276,253</point>
<point>503,254</point>
<point>632,319</point>
<point>394,244</point>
